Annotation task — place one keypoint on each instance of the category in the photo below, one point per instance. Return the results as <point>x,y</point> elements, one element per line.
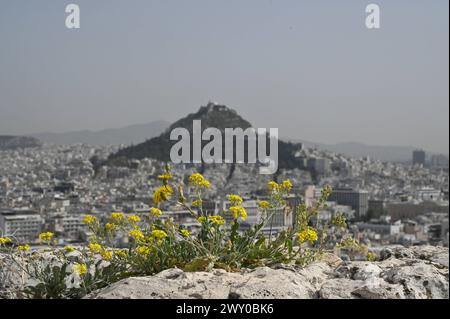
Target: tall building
<point>419,157</point>
<point>357,199</point>
<point>319,165</point>
<point>429,194</point>
<point>439,161</point>
<point>377,207</point>
<point>68,225</point>
<point>22,225</point>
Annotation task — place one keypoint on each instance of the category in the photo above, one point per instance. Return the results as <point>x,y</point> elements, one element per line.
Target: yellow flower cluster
<point>143,250</point>
<point>201,219</point>
<point>263,204</point>
<point>199,181</point>
<point>309,234</point>
<point>89,219</point>
<point>238,211</point>
<point>69,249</point>
<point>23,247</point>
<point>95,248</point>
<point>185,233</point>
<point>136,234</point>
<point>133,219</point>
<point>218,220</point>
<point>5,240</point>
<point>122,253</point>
<point>273,186</point>
<point>46,236</point>
<point>162,194</point>
<point>160,234</point>
<point>117,217</point>
<point>99,249</point>
<point>79,269</point>
<point>197,203</point>
<point>155,212</point>
<point>285,186</point>
<point>110,227</point>
<point>106,254</point>
<point>235,199</point>
<point>165,177</point>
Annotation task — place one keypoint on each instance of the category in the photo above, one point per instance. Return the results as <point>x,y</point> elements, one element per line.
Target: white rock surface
<point>416,272</point>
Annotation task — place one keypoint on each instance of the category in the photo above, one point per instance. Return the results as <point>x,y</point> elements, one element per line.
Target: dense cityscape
<point>52,188</point>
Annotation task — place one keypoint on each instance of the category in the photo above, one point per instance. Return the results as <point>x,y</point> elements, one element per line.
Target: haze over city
<point>218,150</point>
<point>311,69</point>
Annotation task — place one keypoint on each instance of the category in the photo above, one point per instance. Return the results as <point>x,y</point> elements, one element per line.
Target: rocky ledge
<point>401,273</point>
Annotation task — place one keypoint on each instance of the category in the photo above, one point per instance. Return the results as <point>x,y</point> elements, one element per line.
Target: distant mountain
<point>15,142</point>
<point>357,150</point>
<point>128,135</point>
<point>211,115</point>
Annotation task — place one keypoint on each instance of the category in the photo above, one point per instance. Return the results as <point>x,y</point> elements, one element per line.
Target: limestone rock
<point>417,272</point>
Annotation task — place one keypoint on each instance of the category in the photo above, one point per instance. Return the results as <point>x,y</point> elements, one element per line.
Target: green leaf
<point>200,264</point>
<point>289,245</point>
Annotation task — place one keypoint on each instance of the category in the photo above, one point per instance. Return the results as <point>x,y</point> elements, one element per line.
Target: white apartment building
<point>21,225</point>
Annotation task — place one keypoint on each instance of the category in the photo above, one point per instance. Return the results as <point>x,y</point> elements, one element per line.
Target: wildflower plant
<point>156,243</point>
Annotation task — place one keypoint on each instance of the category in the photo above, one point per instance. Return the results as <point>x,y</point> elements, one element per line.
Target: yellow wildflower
<point>80,269</point>
<point>238,211</point>
<point>155,212</point>
<point>235,199</point>
<point>69,248</point>
<point>160,234</point>
<point>143,250</point>
<point>136,234</point>
<point>5,240</point>
<point>117,217</point>
<point>165,177</point>
<point>89,219</point>
<point>162,194</point>
<point>185,233</point>
<point>198,180</point>
<point>110,227</point>
<point>133,219</point>
<point>123,253</point>
<point>106,255</point>
<point>95,248</point>
<point>46,236</point>
<point>201,219</point>
<point>263,204</point>
<point>218,220</point>
<point>309,234</point>
<point>197,203</point>
<point>243,214</point>
<point>287,185</point>
<point>23,247</point>
<point>273,186</point>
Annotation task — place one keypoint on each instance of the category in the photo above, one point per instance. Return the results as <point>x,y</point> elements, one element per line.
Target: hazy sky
<point>310,68</point>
